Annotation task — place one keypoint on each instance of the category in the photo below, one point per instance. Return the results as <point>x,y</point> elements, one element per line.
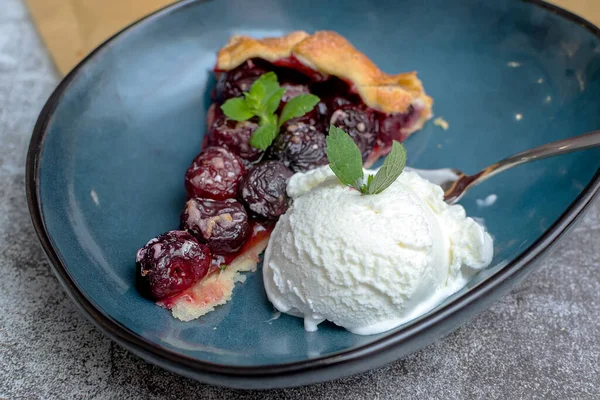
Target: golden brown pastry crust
<point>331,54</point>
<point>242,48</point>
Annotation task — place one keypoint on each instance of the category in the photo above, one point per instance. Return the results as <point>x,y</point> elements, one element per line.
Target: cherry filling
<point>292,91</point>
<point>312,117</point>
<point>340,105</point>
<point>222,225</point>
<point>359,123</point>
<point>171,263</point>
<point>233,83</point>
<point>260,230</point>
<point>301,146</point>
<point>239,80</point>
<point>263,189</point>
<point>392,127</point>
<point>234,136</point>
<point>234,198</point>
<point>215,174</point>
<point>292,63</point>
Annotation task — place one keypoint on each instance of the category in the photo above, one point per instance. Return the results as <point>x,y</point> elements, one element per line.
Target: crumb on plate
<point>442,123</point>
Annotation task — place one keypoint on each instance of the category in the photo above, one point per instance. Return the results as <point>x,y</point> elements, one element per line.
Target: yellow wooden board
<point>73,28</point>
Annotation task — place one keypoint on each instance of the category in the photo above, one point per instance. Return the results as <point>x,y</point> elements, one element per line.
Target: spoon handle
<point>458,188</point>
<point>564,146</point>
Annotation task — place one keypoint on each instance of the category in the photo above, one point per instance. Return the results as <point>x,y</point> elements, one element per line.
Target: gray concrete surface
<point>541,341</point>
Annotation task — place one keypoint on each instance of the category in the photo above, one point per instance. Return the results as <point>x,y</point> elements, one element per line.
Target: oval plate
<point>107,158</point>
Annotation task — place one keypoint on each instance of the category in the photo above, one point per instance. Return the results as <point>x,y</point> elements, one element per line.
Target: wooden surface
<point>73,28</point>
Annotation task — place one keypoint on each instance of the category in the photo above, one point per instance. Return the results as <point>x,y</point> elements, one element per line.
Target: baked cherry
<point>333,103</point>
<point>171,263</point>
<point>326,106</point>
<point>238,80</point>
<point>263,189</point>
<point>292,91</point>
<point>338,101</point>
<point>215,173</point>
<point>312,117</point>
<point>300,147</point>
<point>213,112</point>
<point>234,136</point>
<point>359,124</point>
<point>391,126</point>
<point>222,225</point>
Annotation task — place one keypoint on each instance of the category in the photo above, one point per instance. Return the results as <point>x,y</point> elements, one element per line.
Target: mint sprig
<point>262,101</point>
<point>392,167</point>
<point>266,132</point>
<point>344,158</point>
<point>237,109</point>
<point>346,163</point>
<point>297,107</point>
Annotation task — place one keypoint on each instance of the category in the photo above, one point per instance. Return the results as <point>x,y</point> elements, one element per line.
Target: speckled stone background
<point>541,341</point>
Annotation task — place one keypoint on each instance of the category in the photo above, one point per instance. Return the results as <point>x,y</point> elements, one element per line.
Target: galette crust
<point>241,48</point>
<point>331,54</point>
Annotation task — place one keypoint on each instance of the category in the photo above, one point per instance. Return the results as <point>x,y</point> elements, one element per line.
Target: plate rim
<point>216,372</point>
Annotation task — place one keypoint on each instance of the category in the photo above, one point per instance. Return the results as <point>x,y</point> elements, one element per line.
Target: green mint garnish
<point>237,109</point>
<point>344,158</point>
<point>222,267</point>
<point>346,163</point>
<point>392,167</point>
<point>262,101</point>
<point>297,107</point>
<point>266,132</point>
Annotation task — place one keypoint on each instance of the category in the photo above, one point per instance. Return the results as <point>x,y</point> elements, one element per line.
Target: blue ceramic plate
<point>108,155</point>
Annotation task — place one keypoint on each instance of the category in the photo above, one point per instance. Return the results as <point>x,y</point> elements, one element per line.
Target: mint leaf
<point>344,158</point>
<point>252,102</point>
<point>365,187</point>
<point>392,167</point>
<point>237,109</point>
<point>263,100</point>
<point>274,100</point>
<point>297,107</point>
<point>268,80</point>
<point>263,89</point>
<point>266,132</point>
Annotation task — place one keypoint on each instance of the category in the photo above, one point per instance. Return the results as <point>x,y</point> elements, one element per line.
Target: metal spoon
<point>455,182</point>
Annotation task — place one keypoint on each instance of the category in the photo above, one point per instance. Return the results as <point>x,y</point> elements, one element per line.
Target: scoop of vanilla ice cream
<point>369,263</point>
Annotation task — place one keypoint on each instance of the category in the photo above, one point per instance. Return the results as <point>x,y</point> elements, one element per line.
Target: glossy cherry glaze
<point>300,146</point>
<point>263,189</point>
<point>260,230</point>
<point>170,263</point>
<point>380,129</point>
<point>222,225</point>
<point>215,174</point>
<point>238,80</point>
<point>292,63</point>
<point>359,123</point>
<point>234,136</point>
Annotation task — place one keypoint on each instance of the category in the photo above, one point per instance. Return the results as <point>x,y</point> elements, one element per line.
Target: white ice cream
<point>369,263</point>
